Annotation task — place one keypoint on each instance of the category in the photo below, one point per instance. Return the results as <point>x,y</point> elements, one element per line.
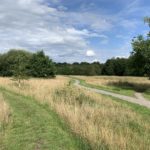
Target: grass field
<point>122,85</point>
<point>33,125</point>
<point>54,114</point>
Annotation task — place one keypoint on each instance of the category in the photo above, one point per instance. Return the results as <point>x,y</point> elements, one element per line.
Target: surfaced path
<point>138,99</point>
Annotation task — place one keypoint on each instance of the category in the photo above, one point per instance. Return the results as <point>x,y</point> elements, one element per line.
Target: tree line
<point>138,63</point>
<point>114,66</point>
<point>21,64</point>
<point>131,66</point>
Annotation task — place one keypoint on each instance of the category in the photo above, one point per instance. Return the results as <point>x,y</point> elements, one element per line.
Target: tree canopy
<point>41,66</point>
<point>141,53</point>
<point>21,63</point>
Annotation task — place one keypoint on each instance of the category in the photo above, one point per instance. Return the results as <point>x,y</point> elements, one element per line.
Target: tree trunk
<point>19,83</point>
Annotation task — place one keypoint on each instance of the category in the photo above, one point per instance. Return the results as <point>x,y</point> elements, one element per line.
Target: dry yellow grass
<point>4,116</point>
<point>104,80</point>
<point>40,89</point>
<point>122,85</point>
<point>4,111</point>
<point>106,124</point>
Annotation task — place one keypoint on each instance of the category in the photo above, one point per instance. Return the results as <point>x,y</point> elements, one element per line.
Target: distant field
<point>88,120</point>
<point>122,85</point>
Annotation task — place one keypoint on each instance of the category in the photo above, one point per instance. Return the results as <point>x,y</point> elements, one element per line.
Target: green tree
<point>20,70</point>
<point>108,68</point>
<point>141,51</point>
<point>10,60</point>
<point>83,68</point>
<point>41,66</point>
<point>137,59</point>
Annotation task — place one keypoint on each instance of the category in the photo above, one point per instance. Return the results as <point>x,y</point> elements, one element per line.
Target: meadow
<point>122,85</point>
<point>55,114</point>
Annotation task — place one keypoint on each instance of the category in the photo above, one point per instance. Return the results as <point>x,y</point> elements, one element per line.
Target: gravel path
<point>139,99</point>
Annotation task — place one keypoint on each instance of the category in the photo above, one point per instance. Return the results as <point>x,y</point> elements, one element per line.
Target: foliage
<point>41,66</point>
<point>12,60</point>
<point>141,53</point>
<point>82,68</point>
<point>19,69</point>
<point>115,66</point>
<point>20,64</point>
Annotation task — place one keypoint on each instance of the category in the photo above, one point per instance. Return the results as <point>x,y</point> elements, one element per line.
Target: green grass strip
<point>36,127</point>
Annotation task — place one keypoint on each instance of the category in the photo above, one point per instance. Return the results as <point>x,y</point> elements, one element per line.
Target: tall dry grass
<point>123,85</point>
<point>4,116</point>
<point>106,124</point>
<point>4,111</point>
<point>105,80</point>
<point>40,89</point>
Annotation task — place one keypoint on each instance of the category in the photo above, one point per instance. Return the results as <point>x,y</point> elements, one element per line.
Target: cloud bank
<point>64,32</point>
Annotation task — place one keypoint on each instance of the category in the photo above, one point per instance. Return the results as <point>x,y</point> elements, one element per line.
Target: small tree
<point>20,69</point>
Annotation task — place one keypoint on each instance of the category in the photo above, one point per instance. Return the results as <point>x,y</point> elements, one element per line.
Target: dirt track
<point>139,99</point>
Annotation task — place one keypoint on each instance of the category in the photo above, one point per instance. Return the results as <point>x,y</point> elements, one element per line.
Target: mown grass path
<point>139,101</point>
<point>35,127</point>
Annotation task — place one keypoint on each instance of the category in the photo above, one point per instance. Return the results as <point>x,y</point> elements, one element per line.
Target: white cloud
<point>94,21</point>
<point>63,33</point>
<point>95,60</point>
<point>33,25</point>
<point>90,53</point>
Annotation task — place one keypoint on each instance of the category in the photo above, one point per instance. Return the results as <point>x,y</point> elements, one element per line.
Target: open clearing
<point>55,114</point>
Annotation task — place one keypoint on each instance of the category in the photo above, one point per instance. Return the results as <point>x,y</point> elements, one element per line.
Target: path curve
<point>138,100</point>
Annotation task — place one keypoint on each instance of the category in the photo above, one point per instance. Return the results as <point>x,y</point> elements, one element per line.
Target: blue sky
<point>79,30</point>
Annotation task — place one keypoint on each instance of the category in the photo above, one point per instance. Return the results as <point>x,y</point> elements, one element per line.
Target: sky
<point>73,30</point>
